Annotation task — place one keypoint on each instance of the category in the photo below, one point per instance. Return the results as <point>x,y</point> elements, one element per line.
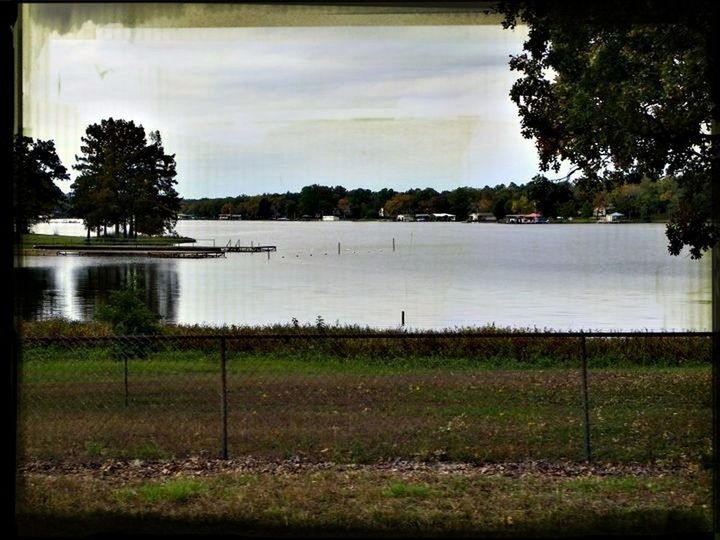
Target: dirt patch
<point>202,466</point>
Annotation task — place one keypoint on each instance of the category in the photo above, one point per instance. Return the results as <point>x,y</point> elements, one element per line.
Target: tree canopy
<point>36,167</point>
<point>622,90</point>
<point>124,180</point>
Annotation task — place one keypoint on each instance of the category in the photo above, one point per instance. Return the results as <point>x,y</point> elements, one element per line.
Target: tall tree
<point>36,167</point>
<point>622,90</point>
<point>547,195</point>
<point>124,181</point>
<point>157,202</point>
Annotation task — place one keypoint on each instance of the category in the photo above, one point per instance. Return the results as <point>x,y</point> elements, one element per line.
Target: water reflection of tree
<point>40,297</point>
<point>93,284</point>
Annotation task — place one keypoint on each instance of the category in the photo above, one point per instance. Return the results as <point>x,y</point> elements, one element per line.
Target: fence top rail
<point>387,335</point>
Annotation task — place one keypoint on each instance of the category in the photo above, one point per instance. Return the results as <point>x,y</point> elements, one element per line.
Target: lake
<point>442,275</point>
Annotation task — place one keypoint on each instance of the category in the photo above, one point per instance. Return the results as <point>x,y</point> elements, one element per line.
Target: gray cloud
<point>248,109</point>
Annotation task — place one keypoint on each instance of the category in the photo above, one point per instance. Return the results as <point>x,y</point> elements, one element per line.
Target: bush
<point>128,315</point>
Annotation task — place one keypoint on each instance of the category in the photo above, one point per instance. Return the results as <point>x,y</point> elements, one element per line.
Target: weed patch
<point>400,489</point>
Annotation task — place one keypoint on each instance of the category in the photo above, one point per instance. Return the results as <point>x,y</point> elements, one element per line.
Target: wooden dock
<point>144,253</point>
<point>251,249</point>
<point>160,251</point>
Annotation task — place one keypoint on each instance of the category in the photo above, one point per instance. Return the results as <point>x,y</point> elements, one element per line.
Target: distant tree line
<point>644,200</point>
<point>125,187</point>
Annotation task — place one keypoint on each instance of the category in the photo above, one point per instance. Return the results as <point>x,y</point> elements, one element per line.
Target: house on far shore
<point>404,217</point>
<point>482,217</point>
<point>230,217</point>
<point>443,217</point>
<point>422,217</point>
<point>534,217</point>
<point>330,218</point>
<point>615,217</point>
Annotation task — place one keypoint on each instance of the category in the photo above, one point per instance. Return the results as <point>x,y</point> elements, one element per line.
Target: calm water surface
<point>590,276</point>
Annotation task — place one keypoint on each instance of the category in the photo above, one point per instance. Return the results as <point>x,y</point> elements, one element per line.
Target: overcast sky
<point>253,110</point>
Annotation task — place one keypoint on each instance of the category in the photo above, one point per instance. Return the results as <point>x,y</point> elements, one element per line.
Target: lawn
<point>29,240</point>
<point>78,405</point>
<point>323,442</point>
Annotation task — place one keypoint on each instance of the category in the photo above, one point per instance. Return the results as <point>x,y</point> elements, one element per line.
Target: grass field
<point>362,501</point>
<point>73,406</point>
<point>333,437</point>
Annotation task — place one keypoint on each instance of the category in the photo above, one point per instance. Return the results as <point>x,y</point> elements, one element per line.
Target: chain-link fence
<point>363,397</point>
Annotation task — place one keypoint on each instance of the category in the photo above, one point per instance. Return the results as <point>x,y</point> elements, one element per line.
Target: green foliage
<point>124,181</point>
<point>127,313</point>
<point>428,351</point>
<point>552,199</point>
<point>622,91</point>
<point>36,167</point>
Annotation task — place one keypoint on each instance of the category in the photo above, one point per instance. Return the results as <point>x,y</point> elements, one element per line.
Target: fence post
<point>585,405</point>
<point>223,400</point>
<point>125,369</point>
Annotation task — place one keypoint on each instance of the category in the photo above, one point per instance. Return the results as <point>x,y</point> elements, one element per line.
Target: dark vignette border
<point>662,11</point>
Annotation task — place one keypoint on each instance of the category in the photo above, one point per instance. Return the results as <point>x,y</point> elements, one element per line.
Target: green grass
<point>363,402</point>
<point>401,489</point>
<point>515,352</point>
<point>355,410</point>
<point>172,491</point>
<point>368,502</point>
<point>29,240</point>
<point>148,450</point>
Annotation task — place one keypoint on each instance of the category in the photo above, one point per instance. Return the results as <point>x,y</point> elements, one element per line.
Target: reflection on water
<point>41,297</point>
<point>46,291</point>
<point>94,284</point>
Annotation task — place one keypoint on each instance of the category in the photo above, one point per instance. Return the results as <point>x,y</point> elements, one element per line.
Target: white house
<point>614,217</point>
<point>330,218</point>
<point>482,216</point>
<point>444,217</point>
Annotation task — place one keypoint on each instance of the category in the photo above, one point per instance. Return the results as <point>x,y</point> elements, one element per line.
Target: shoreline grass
<point>547,351</point>
<point>29,240</point>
